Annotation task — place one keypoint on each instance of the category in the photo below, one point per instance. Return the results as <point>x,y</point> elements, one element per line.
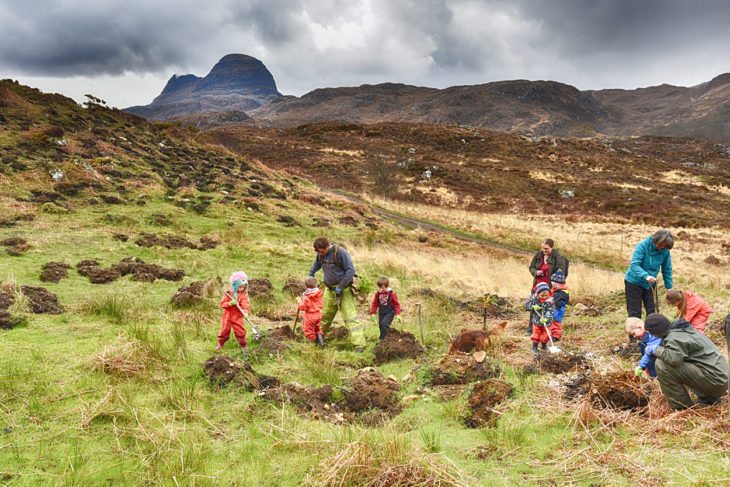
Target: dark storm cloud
<point>314,43</point>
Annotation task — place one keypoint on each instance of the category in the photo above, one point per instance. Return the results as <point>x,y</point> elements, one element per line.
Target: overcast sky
<point>125,50</point>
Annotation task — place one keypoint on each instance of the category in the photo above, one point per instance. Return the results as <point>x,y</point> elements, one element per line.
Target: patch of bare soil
<point>18,248</point>
<point>122,237</point>
<point>626,349</point>
<point>13,241</point>
<point>275,340</point>
<point>100,275</point>
<point>474,340</point>
<point>144,272</point>
<point>462,368</point>
<point>207,243</point>
<point>449,391</point>
<point>260,288</point>
<point>558,363</point>
<point>222,370</point>
<point>54,271</point>
<point>8,321</point>
<point>483,399</point>
<point>315,402</point>
<point>85,266</point>
<point>619,390</point>
<point>6,299</point>
<point>288,221</point>
<point>195,293</point>
<point>397,345</point>
<point>294,286</point>
<point>41,300</point>
<point>372,392</point>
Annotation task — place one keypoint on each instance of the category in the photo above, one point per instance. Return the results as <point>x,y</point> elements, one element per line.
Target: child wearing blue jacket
<point>635,328</point>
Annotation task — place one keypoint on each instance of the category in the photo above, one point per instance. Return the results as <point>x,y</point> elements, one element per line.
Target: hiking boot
<point>320,339</point>
<point>534,351</point>
<point>359,349</point>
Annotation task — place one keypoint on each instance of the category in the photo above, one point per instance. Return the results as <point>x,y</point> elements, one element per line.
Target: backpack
<point>355,279</point>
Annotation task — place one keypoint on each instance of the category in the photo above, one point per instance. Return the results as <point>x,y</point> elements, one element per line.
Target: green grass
<point>62,423</point>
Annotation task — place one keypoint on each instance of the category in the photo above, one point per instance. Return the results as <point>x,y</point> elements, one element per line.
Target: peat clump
<point>141,271</point>
<point>482,400</point>
<point>260,288</point>
<point>463,368</point>
<point>372,393</point>
<point>85,266</point>
<point>294,286</point>
<point>397,345</point>
<point>8,321</point>
<point>315,402</point>
<point>41,300</point>
<point>558,363</point>
<point>619,390</point>
<point>222,370</point>
<point>54,271</point>
<point>195,293</point>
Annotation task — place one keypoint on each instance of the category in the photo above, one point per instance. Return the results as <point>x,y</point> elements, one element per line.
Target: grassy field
<point>153,418</point>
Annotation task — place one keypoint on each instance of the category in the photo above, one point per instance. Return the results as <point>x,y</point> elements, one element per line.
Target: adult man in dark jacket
<point>686,359</point>
<point>338,269</point>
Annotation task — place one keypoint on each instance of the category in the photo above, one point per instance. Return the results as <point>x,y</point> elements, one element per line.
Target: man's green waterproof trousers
<point>349,314</point>
<point>675,381</point>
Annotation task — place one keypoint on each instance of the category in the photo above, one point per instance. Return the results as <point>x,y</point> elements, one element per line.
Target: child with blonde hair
<point>311,303</point>
<point>635,328</point>
<point>235,307</point>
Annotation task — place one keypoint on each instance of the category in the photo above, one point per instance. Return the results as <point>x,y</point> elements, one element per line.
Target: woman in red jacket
<point>690,307</point>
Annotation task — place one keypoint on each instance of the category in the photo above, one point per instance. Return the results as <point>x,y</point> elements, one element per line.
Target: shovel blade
<point>554,349</point>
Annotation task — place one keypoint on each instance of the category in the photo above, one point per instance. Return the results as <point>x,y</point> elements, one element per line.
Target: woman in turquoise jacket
<point>651,255</point>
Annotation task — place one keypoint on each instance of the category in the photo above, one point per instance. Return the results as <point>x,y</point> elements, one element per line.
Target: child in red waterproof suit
<point>541,308</point>
<point>311,303</point>
<point>561,297</point>
<point>231,301</point>
<point>386,304</point>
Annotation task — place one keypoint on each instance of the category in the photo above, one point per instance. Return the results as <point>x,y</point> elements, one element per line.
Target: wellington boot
<point>320,339</point>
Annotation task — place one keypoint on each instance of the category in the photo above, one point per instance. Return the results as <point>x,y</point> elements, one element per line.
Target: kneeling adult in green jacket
<point>686,361</point>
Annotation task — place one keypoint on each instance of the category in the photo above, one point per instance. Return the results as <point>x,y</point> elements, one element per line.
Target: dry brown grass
<point>598,241</point>
<point>477,271</point>
<point>124,359</point>
<point>358,464</point>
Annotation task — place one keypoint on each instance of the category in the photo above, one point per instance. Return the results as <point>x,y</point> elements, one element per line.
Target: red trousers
<point>540,333</point>
<point>311,325</point>
<point>238,330</point>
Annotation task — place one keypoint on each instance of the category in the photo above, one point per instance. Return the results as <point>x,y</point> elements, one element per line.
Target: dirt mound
<point>222,370</point>
<point>558,363</point>
<point>54,271</point>
<point>316,402</point>
<point>122,237</point>
<point>260,288</point>
<point>144,272</point>
<point>41,300</point>
<point>195,293</point>
<point>6,299</point>
<point>294,286</point>
<point>145,239</point>
<point>397,345</point>
<point>462,368</point>
<point>207,243</point>
<point>619,390</point>
<point>338,333</point>
<point>100,275</point>
<point>275,340</point>
<point>13,241</point>
<point>482,400</point>
<point>85,266</point>
<point>19,249</point>
<point>8,321</point>
<point>626,349</point>
<point>372,390</point>
<point>288,221</point>
<point>448,392</point>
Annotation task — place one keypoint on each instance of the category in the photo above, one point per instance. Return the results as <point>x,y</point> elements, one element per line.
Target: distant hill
<point>236,83</point>
<point>241,85</point>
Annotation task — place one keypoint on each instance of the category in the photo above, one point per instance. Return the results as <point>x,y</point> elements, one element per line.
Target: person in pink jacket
<point>690,307</point>
<point>235,305</point>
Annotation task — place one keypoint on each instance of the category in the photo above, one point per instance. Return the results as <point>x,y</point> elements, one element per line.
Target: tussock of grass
<point>125,359</point>
<point>115,306</point>
<point>364,465</point>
